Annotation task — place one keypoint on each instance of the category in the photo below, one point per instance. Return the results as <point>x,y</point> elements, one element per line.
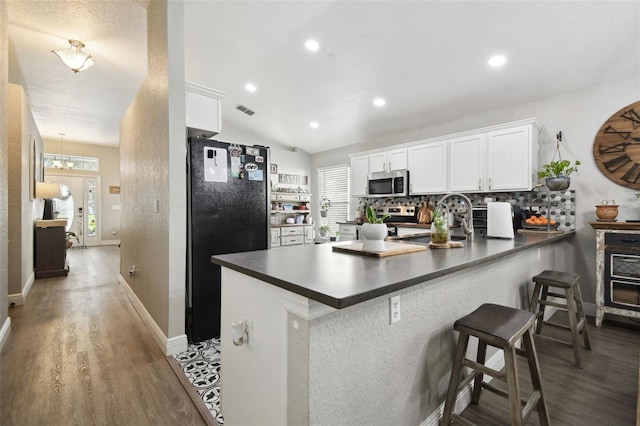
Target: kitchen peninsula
<point>321,347</point>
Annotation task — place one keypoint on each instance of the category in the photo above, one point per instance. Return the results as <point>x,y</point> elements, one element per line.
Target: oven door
<point>622,279</point>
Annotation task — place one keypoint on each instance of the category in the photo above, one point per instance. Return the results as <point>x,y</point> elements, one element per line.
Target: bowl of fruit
<point>538,221</point>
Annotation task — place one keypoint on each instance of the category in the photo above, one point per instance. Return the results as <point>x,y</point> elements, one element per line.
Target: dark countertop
<point>340,280</point>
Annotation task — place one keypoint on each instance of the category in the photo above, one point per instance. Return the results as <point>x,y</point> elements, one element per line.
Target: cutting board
<point>392,249</point>
<point>450,244</point>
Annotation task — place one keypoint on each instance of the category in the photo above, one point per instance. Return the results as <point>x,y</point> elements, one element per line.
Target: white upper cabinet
<point>359,172</point>
<point>387,161</point>
<point>467,160</point>
<point>512,158</point>
<point>428,168</point>
<point>203,110</point>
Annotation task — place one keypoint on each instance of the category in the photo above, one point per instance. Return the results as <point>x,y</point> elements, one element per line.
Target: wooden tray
<point>539,231</point>
<point>450,244</point>
<point>392,249</point>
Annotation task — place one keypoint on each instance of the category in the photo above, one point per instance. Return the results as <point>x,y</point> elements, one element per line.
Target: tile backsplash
<point>562,203</point>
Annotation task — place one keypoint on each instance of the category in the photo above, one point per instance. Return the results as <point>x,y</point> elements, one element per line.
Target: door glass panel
<point>91,208</point>
<point>64,206</point>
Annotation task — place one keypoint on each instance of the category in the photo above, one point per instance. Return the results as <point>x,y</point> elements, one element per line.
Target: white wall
<point>579,116</point>
<point>5,322</point>
<point>23,210</point>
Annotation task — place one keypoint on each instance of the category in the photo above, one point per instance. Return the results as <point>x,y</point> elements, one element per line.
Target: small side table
<point>617,253</point>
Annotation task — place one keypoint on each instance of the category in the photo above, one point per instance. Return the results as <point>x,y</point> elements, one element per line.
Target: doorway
<point>80,205</point>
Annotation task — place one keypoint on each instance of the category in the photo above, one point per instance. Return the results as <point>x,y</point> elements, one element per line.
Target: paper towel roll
<point>499,220</point>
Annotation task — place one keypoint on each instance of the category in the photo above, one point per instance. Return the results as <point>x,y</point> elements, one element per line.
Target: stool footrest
<point>550,303</point>
<point>468,379</point>
<point>530,405</point>
<point>461,420</point>
<point>483,369</point>
<point>559,295</point>
<point>551,339</point>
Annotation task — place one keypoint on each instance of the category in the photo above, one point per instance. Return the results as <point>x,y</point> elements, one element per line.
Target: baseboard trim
<point>4,332</point>
<point>19,299</point>
<point>110,242</point>
<point>169,346</point>
<point>495,362</point>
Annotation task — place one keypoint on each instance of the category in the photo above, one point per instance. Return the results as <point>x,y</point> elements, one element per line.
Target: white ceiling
<point>427,58</point>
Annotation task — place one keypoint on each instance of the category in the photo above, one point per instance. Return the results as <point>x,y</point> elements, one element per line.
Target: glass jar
<point>440,228</point>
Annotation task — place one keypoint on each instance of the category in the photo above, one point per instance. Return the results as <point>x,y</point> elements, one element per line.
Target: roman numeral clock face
<point>616,149</point>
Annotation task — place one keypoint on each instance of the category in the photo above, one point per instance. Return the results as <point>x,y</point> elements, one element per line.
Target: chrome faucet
<point>467,223</point>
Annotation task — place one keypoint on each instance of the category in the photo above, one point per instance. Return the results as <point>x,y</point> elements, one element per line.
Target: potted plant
<point>374,231</point>
<point>71,235</point>
<point>325,203</point>
<point>324,231</point>
<point>557,172</point>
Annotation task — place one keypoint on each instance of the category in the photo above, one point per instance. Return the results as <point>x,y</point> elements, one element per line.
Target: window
<point>79,163</point>
<point>333,183</point>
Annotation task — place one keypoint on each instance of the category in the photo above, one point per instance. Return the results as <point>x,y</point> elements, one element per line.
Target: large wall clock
<point>616,149</point>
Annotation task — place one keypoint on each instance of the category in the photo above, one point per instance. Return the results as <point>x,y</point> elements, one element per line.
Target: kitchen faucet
<point>467,223</point>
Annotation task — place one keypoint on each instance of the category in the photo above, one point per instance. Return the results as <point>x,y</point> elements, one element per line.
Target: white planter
<point>374,235</point>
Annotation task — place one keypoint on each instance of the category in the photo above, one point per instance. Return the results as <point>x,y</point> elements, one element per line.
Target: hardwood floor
<point>78,354</point>
<point>604,392</point>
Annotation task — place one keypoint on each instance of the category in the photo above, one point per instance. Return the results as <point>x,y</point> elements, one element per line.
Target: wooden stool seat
<point>569,282</point>
<point>501,327</point>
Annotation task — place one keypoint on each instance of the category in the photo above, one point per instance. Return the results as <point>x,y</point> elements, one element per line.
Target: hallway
<point>78,354</point>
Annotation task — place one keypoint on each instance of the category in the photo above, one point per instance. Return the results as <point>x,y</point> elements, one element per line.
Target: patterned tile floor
<point>201,364</point>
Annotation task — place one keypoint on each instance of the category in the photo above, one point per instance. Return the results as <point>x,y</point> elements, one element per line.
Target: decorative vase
<point>440,230</point>
<point>323,213</point>
<point>558,183</point>
<point>374,235</point>
<point>607,212</point>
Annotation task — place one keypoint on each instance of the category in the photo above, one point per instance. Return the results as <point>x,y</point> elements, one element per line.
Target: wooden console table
<point>610,242</point>
<point>50,248</point>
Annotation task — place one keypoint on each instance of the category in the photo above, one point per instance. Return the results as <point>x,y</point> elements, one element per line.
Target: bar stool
<point>501,327</point>
<point>569,282</point>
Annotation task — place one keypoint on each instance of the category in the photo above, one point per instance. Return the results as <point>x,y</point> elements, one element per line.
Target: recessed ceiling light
<point>313,125</point>
<point>312,45</point>
<point>379,102</point>
<point>250,87</point>
<point>497,61</point>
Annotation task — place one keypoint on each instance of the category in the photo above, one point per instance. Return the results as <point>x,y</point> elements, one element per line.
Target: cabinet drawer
<point>305,198</point>
<point>294,230</point>
<point>287,197</point>
<point>622,240</point>
<point>289,241</point>
<point>347,230</point>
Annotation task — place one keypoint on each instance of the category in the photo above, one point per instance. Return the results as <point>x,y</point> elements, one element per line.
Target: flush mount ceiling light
<point>250,87</point>
<point>497,61</point>
<point>311,45</point>
<point>313,125</point>
<point>74,57</point>
<point>379,102</point>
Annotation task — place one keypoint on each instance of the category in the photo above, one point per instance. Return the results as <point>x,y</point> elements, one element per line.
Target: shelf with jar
<point>290,208</point>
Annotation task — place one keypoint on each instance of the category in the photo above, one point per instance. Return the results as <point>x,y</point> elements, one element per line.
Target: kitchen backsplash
<point>563,203</point>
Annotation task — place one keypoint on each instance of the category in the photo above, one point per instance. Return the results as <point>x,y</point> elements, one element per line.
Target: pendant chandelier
<point>74,57</point>
<point>60,163</point>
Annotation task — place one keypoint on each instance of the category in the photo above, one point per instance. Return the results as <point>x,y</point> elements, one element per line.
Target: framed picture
<point>274,169</point>
<point>33,170</point>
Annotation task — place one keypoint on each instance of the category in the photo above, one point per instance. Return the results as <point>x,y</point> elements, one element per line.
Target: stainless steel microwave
<point>388,184</point>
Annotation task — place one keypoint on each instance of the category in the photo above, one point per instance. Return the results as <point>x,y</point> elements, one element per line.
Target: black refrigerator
<point>228,211</point>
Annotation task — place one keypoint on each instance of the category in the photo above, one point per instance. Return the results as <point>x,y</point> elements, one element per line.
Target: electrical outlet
<point>394,309</point>
<point>248,329</point>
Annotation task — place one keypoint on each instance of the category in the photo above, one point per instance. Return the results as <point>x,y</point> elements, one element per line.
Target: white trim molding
<point>109,242</point>
<point>19,299</point>
<point>4,332</point>
<point>169,346</point>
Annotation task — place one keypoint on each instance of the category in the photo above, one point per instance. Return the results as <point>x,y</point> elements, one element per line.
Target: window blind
<point>333,183</point>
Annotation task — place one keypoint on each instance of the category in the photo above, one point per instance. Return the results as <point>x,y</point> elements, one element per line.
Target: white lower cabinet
<point>275,237</point>
<point>291,240</point>
<point>347,232</point>
<point>309,235</point>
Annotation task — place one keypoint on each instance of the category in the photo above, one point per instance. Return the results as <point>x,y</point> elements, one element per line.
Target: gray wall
<point>152,172</point>
<point>579,116</point>
<point>4,100</point>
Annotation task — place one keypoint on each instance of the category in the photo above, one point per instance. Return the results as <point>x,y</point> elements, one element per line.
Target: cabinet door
<point>510,159</point>
<point>309,235</point>
<point>428,168</point>
<point>467,161</point>
<point>378,162</point>
<point>359,171</point>
<point>275,237</point>
<point>397,159</point>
